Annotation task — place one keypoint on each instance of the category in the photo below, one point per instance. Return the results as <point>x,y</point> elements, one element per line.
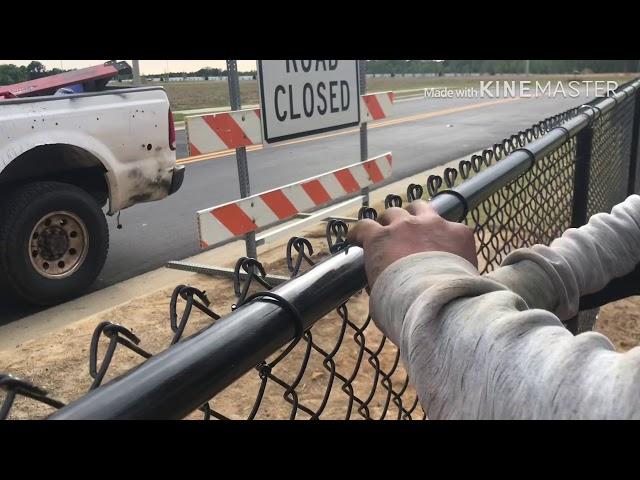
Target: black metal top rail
<point>179,380</point>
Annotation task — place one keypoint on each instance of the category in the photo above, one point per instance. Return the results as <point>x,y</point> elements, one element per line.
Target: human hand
<point>398,233</point>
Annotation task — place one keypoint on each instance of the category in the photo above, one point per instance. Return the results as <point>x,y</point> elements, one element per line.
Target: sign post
<point>136,73</point>
<point>306,97</point>
<point>241,153</point>
<point>364,146</point>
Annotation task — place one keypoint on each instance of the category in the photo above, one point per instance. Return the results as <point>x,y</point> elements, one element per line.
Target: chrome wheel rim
<point>58,245</point>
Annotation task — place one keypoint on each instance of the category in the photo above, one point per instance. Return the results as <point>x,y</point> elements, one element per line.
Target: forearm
<point>579,263</point>
<point>473,349</point>
<point>616,289</point>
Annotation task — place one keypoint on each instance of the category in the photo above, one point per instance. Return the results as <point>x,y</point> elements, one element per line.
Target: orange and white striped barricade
<point>224,222</point>
<point>376,106</point>
<point>223,131</point>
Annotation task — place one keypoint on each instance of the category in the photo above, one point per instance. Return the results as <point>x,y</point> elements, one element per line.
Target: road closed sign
<point>305,97</point>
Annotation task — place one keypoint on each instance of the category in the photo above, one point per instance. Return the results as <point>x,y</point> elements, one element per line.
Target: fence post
<point>581,179</point>
<point>579,213</point>
<point>364,148</point>
<point>241,153</point>
<point>635,147</point>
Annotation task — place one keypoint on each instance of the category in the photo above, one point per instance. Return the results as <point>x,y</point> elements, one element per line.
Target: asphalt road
<point>420,134</point>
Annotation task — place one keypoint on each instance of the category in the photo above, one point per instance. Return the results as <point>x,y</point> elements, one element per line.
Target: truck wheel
<point>54,241</point>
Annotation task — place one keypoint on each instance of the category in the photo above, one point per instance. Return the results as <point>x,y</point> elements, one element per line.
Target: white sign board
<point>305,97</point>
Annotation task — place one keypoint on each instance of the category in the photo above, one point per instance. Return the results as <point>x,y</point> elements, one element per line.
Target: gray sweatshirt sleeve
<point>493,346</point>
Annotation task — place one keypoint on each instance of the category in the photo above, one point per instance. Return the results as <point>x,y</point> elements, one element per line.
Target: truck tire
<point>54,241</point>
<point>4,283</point>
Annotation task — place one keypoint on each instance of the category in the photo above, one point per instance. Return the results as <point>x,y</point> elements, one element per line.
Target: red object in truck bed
<point>92,78</point>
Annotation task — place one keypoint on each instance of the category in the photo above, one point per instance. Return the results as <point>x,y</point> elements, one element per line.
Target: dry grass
<point>193,95</point>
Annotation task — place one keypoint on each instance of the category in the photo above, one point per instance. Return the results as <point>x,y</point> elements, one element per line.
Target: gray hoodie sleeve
<point>493,346</point>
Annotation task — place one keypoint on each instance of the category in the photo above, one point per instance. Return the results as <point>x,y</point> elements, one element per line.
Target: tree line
<point>205,72</point>
<point>10,73</point>
<point>492,67</point>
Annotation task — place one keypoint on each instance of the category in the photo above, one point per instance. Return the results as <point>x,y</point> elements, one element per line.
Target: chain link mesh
<point>610,157</point>
<point>535,208</point>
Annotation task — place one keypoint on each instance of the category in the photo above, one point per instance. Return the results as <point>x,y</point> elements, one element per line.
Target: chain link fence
<point>327,359</point>
<point>611,157</point>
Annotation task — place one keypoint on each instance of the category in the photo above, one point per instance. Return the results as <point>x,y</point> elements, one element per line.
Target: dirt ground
<point>58,362</point>
<point>620,322</point>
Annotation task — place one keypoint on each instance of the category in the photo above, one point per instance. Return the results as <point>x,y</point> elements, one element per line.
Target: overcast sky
<point>146,66</point>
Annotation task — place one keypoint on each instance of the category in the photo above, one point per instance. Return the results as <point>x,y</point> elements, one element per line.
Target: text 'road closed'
<point>304,97</point>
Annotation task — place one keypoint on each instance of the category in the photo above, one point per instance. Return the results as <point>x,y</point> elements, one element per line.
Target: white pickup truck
<point>65,158</point>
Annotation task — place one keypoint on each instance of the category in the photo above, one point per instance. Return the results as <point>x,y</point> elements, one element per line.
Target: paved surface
<point>421,134</point>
